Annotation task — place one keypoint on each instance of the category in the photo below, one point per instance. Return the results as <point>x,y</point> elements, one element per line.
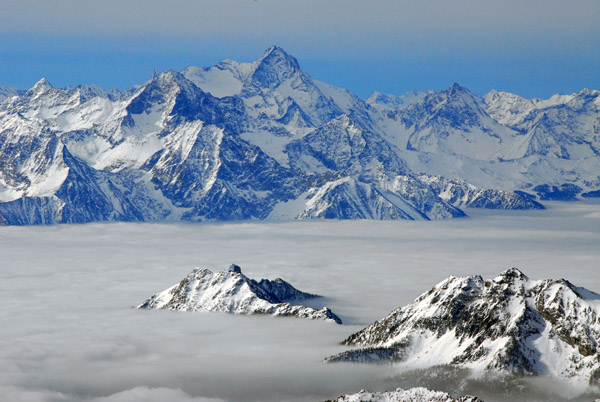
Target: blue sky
<point>531,47</point>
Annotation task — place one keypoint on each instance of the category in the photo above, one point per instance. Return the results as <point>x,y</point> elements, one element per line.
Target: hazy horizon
<point>531,48</point>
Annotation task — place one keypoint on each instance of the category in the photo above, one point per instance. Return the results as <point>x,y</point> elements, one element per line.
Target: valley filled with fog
<point>70,332</point>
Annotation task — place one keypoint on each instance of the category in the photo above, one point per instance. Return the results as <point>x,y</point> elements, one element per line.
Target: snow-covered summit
<point>508,108</point>
<point>455,122</point>
<point>273,68</point>
<point>40,87</point>
<point>231,291</point>
<point>404,395</point>
<point>510,323</point>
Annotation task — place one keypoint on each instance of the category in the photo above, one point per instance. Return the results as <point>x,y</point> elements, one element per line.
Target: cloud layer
<point>69,332</point>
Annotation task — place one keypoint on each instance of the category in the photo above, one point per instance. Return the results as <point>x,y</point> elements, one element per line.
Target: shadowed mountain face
<point>510,323</point>
<point>264,140</point>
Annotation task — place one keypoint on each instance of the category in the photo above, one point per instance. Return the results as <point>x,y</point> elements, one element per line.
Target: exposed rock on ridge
<point>510,323</point>
<point>230,291</point>
<point>404,395</point>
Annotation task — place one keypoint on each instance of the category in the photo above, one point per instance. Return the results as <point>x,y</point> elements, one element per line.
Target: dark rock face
<point>31,211</point>
<point>591,194</point>
<point>222,177</point>
<point>343,146</point>
<point>564,192</point>
<point>510,323</point>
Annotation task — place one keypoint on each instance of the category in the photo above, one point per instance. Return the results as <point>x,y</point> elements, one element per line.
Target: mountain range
<point>264,140</point>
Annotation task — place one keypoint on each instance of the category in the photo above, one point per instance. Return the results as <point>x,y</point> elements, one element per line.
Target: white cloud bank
<point>69,332</point>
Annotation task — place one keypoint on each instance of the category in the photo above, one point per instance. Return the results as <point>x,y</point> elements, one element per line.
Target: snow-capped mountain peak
<point>275,66</point>
<point>512,110</point>
<point>509,324</point>
<point>231,291</point>
<point>455,122</point>
<point>562,126</point>
<point>507,108</point>
<point>457,88</point>
<point>42,85</point>
<point>40,88</point>
<point>511,275</point>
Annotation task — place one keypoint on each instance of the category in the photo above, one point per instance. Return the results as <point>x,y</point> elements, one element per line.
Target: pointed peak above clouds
<point>457,88</point>
<point>40,87</point>
<point>229,77</point>
<point>274,67</point>
<point>162,86</point>
<point>230,291</point>
<point>456,107</point>
<point>511,275</point>
<point>279,57</point>
<point>455,122</point>
<point>169,77</point>
<point>154,92</point>
<point>509,324</point>
<point>459,93</point>
<point>42,84</point>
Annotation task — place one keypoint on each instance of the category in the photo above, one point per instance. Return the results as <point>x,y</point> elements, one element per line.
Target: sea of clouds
<point>69,332</point>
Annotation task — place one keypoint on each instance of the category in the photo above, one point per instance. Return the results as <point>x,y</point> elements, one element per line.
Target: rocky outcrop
<point>509,324</point>
<point>403,395</point>
<point>230,291</point>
